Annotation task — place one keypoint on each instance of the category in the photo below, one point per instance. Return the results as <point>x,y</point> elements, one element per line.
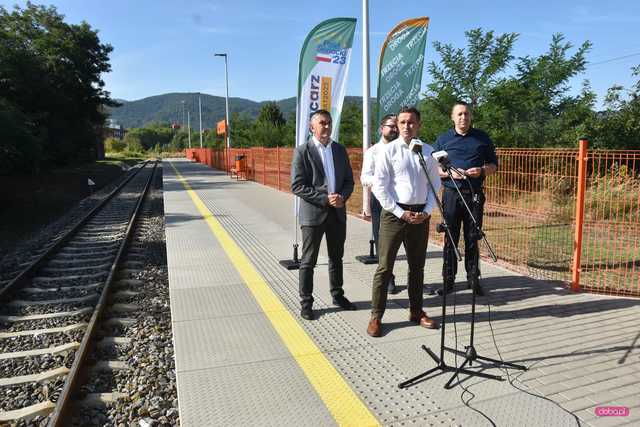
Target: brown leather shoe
<point>423,320</point>
<point>375,327</point>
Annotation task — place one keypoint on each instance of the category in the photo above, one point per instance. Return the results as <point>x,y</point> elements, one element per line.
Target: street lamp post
<point>189,126</point>
<point>200,113</point>
<point>182,123</point>
<point>226,118</point>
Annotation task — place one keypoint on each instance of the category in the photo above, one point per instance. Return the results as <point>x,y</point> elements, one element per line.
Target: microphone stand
<point>440,363</point>
<point>471,354</point>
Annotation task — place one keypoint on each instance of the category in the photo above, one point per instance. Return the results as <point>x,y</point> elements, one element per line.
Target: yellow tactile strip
<point>343,404</point>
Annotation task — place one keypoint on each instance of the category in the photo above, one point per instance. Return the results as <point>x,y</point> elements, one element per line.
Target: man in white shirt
<point>389,132</point>
<point>402,188</point>
<point>321,176</point>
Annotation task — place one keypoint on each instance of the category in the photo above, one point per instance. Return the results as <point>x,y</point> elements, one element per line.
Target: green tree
<point>533,108</point>
<point>269,128</point>
<point>241,131</point>
<point>22,142</point>
<point>618,126</point>
<point>51,71</point>
<point>351,125</point>
<point>270,113</point>
<point>471,74</point>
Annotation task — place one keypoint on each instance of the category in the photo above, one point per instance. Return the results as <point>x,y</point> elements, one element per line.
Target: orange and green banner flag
<point>400,67</point>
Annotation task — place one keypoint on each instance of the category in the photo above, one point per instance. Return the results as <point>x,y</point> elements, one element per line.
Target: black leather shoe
<point>448,287</point>
<point>344,303</point>
<point>475,285</point>
<point>307,313</point>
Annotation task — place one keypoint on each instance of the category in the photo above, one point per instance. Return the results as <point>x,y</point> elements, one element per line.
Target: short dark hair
<point>320,113</point>
<point>460,102</point>
<point>412,110</point>
<point>388,117</point>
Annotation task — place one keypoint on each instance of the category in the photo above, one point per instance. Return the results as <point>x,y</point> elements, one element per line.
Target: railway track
<point>52,311</point>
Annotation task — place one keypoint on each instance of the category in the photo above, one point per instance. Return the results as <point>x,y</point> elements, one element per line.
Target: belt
<point>411,208</point>
<point>466,190</point>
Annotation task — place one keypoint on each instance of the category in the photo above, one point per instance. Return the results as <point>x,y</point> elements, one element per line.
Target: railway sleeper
<point>64,348</point>
<point>93,400</point>
<point>27,413</point>
<point>33,378</point>
<point>25,303</point>
<point>46,279</point>
<point>13,319</point>
<point>67,328</point>
<point>104,265</point>
<point>38,290</point>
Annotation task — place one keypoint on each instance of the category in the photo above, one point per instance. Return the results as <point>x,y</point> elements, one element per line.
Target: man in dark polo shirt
<point>473,155</point>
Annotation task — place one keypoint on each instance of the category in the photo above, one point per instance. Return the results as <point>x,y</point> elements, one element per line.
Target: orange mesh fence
<point>610,251</point>
<point>530,210</point>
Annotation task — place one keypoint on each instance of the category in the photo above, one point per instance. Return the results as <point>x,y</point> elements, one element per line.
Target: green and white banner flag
<point>322,75</point>
<point>400,68</point>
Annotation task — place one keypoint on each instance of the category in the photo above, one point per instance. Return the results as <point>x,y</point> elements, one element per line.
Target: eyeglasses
<point>390,126</point>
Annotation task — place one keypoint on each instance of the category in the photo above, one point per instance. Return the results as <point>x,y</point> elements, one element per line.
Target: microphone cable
<point>512,380</point>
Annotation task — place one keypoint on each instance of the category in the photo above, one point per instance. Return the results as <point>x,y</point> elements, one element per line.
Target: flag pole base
<point>371,258</point>
<point>291,264</point>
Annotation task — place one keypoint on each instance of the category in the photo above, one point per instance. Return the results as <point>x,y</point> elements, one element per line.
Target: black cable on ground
<point>511,381</point>
<point>458,382</point>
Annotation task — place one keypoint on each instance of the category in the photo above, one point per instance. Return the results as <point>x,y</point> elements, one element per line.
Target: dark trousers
<point>456,214</point>
<point>393,233</point>
<point>376,210</point>
<point>335,231</point>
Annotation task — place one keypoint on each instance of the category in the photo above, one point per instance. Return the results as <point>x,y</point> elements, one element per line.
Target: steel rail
<point>57,417</point>
<point>28,272</point>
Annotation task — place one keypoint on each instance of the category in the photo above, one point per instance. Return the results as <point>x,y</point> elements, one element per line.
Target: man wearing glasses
<point>389,132</point>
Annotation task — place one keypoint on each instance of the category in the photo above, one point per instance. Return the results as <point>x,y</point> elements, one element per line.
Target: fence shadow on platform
<point>507,289</point>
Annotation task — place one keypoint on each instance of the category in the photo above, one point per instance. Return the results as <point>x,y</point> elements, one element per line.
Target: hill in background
<point>168,108</point>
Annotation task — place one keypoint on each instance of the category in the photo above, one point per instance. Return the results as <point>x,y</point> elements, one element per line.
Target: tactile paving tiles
<point>371,374</point>
<point>251,394</point>
<point>217,301</point>
<point>224,341</point>
<point>188,242</point>
<point>492,398</point>
<point>518,302</point>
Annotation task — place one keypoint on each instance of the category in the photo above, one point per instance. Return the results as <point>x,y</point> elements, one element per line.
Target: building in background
<point>113,130</point>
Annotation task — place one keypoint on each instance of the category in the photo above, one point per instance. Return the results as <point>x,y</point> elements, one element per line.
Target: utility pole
<point>189,126</point>
<point>366,134</point>
<point>182,124</point>
<point>226,116</point>
<point>200,110</point>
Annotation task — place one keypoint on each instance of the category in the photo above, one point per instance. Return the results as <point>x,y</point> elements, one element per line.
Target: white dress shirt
<point>327,163</point>
<point>399,178</point>
<point>369,163</point>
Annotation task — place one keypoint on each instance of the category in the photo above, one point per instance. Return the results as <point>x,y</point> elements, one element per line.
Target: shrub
<point>614,195</point>
<point>114,145</point>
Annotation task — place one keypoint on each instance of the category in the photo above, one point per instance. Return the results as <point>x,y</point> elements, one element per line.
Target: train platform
<point>244,356</point>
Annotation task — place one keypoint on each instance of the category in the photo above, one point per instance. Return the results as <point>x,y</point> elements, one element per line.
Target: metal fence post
<point>577,242</point>
<point>264,167</point>
<point>278,166</point>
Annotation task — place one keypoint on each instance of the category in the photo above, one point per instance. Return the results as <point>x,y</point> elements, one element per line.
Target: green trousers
<point>393,233</point>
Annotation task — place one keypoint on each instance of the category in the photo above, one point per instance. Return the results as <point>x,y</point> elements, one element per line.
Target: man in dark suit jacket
<point>321,176</point>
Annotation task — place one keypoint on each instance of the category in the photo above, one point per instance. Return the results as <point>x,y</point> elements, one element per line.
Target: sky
<point>163,46</point>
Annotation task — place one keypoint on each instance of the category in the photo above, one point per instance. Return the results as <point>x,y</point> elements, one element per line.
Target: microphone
<point>443,158</point>
<point>440,155</point>
<point>415,146</point>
